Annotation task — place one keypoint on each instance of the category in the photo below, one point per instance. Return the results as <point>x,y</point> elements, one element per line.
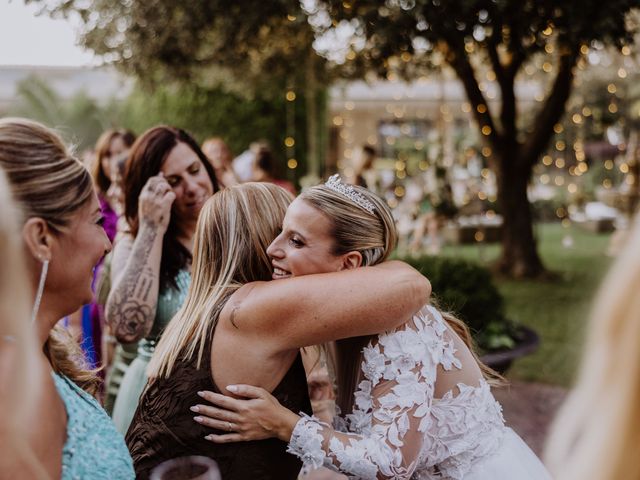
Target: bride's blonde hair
<point>235,227</point>
<point>596,435</point>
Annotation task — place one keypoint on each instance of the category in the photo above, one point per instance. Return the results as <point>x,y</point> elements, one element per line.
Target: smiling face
<point>305,244</point>
<point>75,253</point>
<point>189,180</point>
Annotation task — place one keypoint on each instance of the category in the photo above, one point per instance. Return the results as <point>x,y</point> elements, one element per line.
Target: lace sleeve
<point>391,416</point>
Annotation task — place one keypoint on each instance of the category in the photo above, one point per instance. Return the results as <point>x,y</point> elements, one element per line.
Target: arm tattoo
<point>129,313</point>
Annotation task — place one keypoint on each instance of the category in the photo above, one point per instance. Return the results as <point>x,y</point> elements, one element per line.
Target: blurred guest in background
<point>243,163</point>
<point>265,170</point>
<point>218,153</point>
<point>89,320</point>
<point>364,174</point>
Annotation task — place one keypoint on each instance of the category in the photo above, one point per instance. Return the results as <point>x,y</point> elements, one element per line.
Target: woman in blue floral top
<point>69,435</point>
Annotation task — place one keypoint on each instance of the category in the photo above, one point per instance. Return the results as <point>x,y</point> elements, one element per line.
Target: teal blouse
<point>94,448</point>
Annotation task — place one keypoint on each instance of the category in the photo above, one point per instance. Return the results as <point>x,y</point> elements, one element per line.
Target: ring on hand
<point>229,426</point>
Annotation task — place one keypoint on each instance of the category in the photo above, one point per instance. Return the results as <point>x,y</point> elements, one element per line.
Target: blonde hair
<point>235,227</point>
<point>374,236</point>
<point>596,435</point>
<point>49,183</point>
<point>17,341</point>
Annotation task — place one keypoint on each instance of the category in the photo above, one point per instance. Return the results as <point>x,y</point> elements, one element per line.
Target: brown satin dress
<point>163,427</point>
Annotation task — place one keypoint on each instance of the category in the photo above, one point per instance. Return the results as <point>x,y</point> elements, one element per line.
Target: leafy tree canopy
<point>242,43</point>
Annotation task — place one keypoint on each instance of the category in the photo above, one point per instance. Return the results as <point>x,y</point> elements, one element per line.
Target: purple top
<point>110,218</point>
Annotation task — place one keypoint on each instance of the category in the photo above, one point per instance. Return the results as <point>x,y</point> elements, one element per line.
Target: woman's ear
<point>38,238</point>
<point>351,260</point>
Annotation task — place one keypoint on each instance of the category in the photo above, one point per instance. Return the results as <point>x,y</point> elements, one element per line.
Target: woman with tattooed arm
<point>168,180</point>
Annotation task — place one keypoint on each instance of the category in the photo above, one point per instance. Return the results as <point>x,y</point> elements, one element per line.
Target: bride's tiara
<point>335,184</point>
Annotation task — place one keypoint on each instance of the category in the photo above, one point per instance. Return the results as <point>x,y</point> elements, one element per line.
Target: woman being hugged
<point>63,239</point>
<point>417,401</point>
<point>167,181</point>
<point>236,325</point>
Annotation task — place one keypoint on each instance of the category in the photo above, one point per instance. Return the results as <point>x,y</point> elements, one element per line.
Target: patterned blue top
<point>94,448</point>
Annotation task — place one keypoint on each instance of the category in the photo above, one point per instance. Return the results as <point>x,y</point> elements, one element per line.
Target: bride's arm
<point>314,309</point>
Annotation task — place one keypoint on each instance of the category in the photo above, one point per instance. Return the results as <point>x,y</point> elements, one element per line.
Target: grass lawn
<point>555,309</point>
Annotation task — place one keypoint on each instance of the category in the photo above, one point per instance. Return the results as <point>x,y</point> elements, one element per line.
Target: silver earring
<point>43,279</point>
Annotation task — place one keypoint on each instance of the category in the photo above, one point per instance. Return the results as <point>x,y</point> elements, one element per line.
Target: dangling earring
<point>43,279</point>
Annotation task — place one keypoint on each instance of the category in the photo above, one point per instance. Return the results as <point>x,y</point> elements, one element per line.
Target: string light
<point>289,140</point>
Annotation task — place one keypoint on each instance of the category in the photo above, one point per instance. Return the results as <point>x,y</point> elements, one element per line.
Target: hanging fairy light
<point>289,141</point>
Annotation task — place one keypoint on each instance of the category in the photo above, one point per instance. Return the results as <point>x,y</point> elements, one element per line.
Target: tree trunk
<point>519,258</point>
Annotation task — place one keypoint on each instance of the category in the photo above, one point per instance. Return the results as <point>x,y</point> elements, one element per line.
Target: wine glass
<point>193,467</point>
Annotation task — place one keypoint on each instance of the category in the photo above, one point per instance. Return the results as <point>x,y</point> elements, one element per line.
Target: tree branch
<point>553,109</point>
<point>505,77</point>
<point>460,63</point>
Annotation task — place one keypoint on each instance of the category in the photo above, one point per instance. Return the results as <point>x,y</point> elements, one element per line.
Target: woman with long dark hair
<point>167,181</point>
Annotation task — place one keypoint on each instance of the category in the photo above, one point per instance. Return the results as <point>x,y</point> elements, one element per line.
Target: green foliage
<point>206,112</point>
<point>245,42</point>
<point>556,309</point>
<point>467,290</point>
<point>80,119</point>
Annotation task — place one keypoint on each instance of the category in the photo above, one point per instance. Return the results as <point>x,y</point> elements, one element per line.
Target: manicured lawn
<point>556,309</point>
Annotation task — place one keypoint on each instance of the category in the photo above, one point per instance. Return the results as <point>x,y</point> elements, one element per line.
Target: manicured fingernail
<point>195,408</point>
<point>198,419</point>
<point>201,394</point>
<point>232,388</point>
<point>208,437</point>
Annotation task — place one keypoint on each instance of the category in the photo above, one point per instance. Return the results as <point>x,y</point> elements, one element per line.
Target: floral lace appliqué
<point>397,429</point>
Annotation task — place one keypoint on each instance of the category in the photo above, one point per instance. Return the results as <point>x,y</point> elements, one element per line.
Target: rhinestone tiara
<point>335,184</point>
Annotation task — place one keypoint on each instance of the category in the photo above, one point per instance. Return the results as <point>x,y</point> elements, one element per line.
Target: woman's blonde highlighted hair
<point>48,182</point>
<point>235,227</point>
<point>596,435</point>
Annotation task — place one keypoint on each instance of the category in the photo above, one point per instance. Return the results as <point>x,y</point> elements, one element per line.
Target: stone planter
<point>501,360</point>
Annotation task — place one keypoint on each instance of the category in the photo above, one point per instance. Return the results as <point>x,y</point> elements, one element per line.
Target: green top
<point>169,302</point>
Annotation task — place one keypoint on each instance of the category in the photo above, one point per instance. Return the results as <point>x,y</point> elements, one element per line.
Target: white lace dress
<point>399,430</point>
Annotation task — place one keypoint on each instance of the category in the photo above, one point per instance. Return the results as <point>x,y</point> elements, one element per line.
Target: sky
<point>29,39</point>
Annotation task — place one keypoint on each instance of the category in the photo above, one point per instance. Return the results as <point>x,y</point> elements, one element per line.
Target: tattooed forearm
<point>131,306</point>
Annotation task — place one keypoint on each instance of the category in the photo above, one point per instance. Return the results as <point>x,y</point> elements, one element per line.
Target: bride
<point>419,399</point>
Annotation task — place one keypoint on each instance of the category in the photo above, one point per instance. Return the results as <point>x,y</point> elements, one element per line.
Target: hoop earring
<point>43,280</point>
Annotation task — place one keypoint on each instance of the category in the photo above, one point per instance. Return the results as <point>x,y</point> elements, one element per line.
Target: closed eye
<point>173,181</point>
<point>297,243</point>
